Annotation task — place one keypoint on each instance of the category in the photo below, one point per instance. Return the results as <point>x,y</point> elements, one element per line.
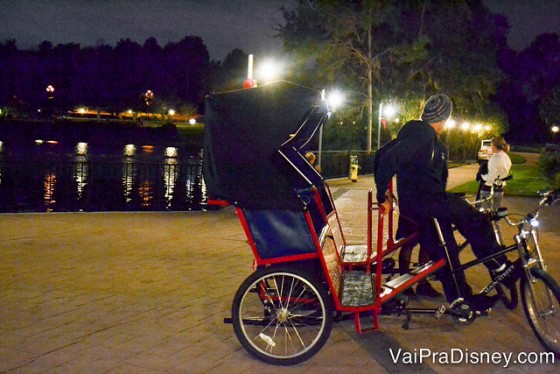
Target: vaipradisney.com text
<point>457,356</point>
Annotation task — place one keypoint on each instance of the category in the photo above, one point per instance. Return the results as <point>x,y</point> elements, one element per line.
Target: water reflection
<point>170,152</point>
<point>49,185</point>
<point>157,178</point>
<point>146,193</point>
<point>82,148</point>
<point>129,150</point>
<point>81,173</point>
<point>170,174</point>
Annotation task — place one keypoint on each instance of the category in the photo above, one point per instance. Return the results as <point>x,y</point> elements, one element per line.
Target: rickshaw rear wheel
<point>282,315</point>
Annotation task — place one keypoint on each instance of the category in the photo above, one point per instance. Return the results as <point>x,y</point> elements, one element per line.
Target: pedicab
<point>306,275</point>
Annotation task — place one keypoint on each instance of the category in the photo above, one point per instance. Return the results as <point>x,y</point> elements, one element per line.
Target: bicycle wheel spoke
<point>295,315</point>
<point>541,296</point>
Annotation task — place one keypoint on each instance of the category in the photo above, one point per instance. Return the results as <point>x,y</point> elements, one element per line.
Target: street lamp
<point>334,100</point>
<point>477,128</point>
<point>554,130</point>
<point>250,82</point>
<point>50,92</point>
<point>465,126</point>
<point>269,70</point>
<point>450,124</point>
<point>148,97</point>
<point>385,112</point>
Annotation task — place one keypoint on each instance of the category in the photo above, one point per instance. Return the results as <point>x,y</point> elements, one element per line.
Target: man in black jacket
<point>419,160</point>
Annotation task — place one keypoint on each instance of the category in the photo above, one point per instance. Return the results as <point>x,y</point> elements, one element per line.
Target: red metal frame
<point>275,260</point>
<point>384,293</point>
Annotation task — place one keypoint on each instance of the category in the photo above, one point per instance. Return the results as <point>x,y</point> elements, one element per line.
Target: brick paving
<point>147,293</point>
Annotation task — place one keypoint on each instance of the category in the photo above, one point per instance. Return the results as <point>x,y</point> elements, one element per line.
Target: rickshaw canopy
<point>244,130</point>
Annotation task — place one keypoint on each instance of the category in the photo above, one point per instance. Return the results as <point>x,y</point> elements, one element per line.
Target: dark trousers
<point>408,227</point>
<point>451,210</point>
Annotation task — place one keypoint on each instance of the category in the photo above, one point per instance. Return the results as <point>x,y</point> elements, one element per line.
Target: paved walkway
<point>147,293</point>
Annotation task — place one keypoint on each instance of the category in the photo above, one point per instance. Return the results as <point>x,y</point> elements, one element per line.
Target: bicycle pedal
<point>463,314</point>
<point>483,313</point>
<point>440,312</point>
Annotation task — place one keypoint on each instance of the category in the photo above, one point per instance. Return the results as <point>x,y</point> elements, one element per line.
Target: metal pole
<point>370,119</point>
<point>250,67</point>
<point>370,83</point>
<point>319,156</point>
<point>379,126</point>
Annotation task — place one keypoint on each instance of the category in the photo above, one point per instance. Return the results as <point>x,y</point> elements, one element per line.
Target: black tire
<point>543,312</point>
<point>508,295</point>
<point>282,315</point>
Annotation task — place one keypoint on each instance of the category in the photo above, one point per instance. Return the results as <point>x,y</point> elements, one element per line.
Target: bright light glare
<point>129,150</point>
<point>389,110</point>
<point>269,70</point>
<point>555,129</point>
<point>171,112</point>
<point>171,152</point>
<point>465,126</point>
<point>450,124</point>
<point>192,121</point>
<point>334,100</point>
<point>82,148</point>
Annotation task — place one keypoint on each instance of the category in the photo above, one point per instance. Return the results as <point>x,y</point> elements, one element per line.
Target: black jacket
<point>419,160</point>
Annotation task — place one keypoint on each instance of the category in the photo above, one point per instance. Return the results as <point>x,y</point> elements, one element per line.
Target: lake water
<point>58,173</point>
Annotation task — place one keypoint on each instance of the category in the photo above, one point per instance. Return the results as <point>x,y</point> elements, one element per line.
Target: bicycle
<point>305,273</point>
<point>540,294</point>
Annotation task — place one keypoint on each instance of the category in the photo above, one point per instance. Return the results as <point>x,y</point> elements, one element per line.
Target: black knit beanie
<point>437,108</point>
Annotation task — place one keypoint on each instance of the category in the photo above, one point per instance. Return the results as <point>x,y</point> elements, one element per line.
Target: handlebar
<point>549,197</point>
<point>498,182</point>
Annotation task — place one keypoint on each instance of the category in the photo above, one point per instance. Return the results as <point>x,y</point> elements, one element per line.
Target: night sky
<point>222,24</point>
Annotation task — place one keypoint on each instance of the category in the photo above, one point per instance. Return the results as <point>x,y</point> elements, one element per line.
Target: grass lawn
<point>527,180</point>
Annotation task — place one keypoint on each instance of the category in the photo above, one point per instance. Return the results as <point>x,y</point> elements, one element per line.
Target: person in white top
<point>498,167</point>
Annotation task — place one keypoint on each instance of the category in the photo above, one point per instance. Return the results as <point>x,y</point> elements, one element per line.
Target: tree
<point>402,50</point>
<point>534,89</point>
<point>229,75</point>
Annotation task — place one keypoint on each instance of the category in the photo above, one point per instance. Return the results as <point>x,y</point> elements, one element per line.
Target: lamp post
<point>465,126</point>
<point>249,82</point>
<point>390,111</point>
<point>334,100</point>
<point>269,70</point>
<point>449,125</point>
<point>50,92</point>
<point>554,130</point>
<point>50,100</point>
<point>148,97</point>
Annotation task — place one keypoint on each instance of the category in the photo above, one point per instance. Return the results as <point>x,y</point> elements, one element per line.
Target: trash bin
<point>353,174</point>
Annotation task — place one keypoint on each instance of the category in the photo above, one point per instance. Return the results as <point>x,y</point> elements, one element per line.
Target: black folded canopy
<point>244,130</point>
